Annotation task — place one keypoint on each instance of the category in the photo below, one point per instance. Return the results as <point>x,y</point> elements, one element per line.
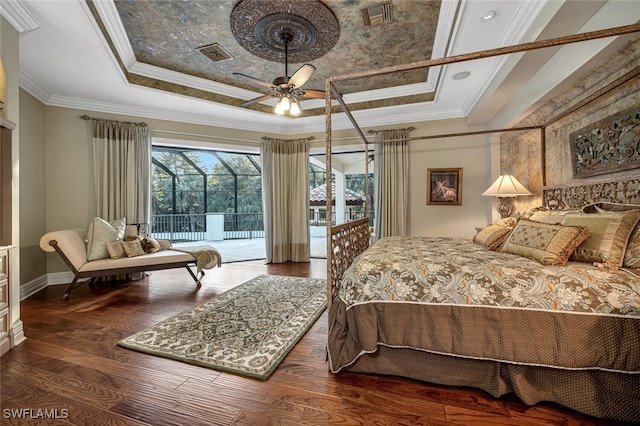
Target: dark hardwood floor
<point>71,366</point>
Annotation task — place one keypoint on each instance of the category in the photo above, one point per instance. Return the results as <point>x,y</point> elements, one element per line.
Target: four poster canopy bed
<point>545,306</point>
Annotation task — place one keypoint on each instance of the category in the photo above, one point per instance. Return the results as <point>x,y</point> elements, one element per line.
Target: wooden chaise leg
<point>199,284</point>
<point>74,284</point>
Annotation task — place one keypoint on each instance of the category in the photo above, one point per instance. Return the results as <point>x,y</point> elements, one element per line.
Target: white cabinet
<point>11,331</point>
<point>5,317</point>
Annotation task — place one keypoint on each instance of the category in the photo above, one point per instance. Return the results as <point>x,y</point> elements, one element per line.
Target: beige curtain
<point>285,198</point>
<point>122,170</point>
<point>391,182</point>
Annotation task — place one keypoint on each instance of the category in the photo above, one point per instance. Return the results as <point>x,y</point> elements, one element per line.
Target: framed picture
<point>444,187</point>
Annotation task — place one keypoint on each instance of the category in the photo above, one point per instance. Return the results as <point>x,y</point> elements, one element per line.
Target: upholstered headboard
<point>576,195</point>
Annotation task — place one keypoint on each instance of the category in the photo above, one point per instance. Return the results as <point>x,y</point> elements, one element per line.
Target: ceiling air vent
<point>215,52</point>
<point>377,15</point>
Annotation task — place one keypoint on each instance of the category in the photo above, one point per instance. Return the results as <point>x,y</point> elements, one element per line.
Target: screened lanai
<point>199,195</point>
<point>215,197</point>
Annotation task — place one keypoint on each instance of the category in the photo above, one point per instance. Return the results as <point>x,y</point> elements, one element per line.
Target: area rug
<point>247,330</point>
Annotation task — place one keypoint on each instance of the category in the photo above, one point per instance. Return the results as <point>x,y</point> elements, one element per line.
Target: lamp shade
<point>506,186</point>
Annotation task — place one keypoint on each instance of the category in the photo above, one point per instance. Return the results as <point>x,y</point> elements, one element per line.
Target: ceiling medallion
<point>258,26</point>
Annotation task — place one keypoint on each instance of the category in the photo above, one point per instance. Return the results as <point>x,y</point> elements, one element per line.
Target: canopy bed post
<point>543,154</point>
<point>329,190</point>
<point>348,240</point>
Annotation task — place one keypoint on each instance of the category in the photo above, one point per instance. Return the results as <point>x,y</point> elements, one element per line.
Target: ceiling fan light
<point>279,108</point>
<point>286,103</point>
<point>295,108</point>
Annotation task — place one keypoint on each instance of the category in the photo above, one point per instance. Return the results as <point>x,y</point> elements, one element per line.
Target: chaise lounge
<point>71,245</point>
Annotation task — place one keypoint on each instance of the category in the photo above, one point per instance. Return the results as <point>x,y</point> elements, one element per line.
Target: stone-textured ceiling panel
<point>167,34</point>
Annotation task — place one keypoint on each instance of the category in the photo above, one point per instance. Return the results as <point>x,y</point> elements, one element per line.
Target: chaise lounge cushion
<point>72,243</point>
<point>161,257</point>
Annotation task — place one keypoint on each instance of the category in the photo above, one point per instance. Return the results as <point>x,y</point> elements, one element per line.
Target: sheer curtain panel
<point>285,195</point>
<point>391,182</point>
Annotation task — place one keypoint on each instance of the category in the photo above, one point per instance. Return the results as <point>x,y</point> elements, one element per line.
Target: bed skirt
<point>597,393</point>
<point>602,394</point>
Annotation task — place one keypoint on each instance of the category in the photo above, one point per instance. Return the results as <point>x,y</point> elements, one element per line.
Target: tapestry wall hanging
<point>607,146</point>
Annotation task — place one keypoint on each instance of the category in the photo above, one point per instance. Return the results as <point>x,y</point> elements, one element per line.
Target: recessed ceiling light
<point>487,16</point>
<point>461,75</point>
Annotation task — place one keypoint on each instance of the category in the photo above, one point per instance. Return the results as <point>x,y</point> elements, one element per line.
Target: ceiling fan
<point>287,89</point>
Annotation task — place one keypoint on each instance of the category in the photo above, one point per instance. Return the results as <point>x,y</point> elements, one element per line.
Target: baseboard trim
<point>17,333</point>
<point>60,278</point>
<point>33,286</point>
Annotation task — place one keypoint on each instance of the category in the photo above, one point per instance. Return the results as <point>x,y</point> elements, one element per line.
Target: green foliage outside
<point>222,184</point>
<point>233,182</point>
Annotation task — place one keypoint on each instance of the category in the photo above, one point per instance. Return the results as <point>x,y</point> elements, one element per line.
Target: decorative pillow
<point>608,236</point>
<point>632,254</point>
<point>553,217</point>
<point>116,249</point>
<point>492,236</point>
<point>604,206</point>
<point>507,222</point>
<point>133,248</point>
<point>99,233</point>
<point>150,245</point>
<point>546,243</point>
<point>527,214</point>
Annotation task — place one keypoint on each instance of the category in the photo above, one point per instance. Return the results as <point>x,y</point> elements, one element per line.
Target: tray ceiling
<point>142,58</point>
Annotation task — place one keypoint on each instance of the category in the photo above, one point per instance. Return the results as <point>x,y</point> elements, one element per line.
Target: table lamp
<point>505,189</point>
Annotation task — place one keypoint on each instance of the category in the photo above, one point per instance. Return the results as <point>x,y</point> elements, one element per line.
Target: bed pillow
<point>99,233</point>
<point>492,236</point>
<point>133,248</point>
<point>546,243</point>
<point>609,234</point>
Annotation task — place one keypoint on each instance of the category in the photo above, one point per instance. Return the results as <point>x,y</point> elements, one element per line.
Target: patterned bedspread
<point>454,297</point>
<point>458,271</point>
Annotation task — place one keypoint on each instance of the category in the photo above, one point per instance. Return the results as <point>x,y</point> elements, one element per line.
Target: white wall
<point>472,154</point>
<point>32,187</point>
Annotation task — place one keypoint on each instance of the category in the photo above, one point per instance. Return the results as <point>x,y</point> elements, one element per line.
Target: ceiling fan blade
<point>301,76</point>
<point>313,94</point>
<point>254,80</point>
<point>255,100</point>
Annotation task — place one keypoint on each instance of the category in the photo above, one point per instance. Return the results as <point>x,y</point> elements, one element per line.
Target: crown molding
<point>17,15</point>
<point>33,88</point>
<point>526,15</point>
<point>221,118</point>
<point>182,79</point>
<point>113,25</point>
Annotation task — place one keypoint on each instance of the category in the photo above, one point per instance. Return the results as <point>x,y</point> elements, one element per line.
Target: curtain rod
<point>309,138</point>
<point>141,123</point>
<point>375,132</point>
<point>450,135</point>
